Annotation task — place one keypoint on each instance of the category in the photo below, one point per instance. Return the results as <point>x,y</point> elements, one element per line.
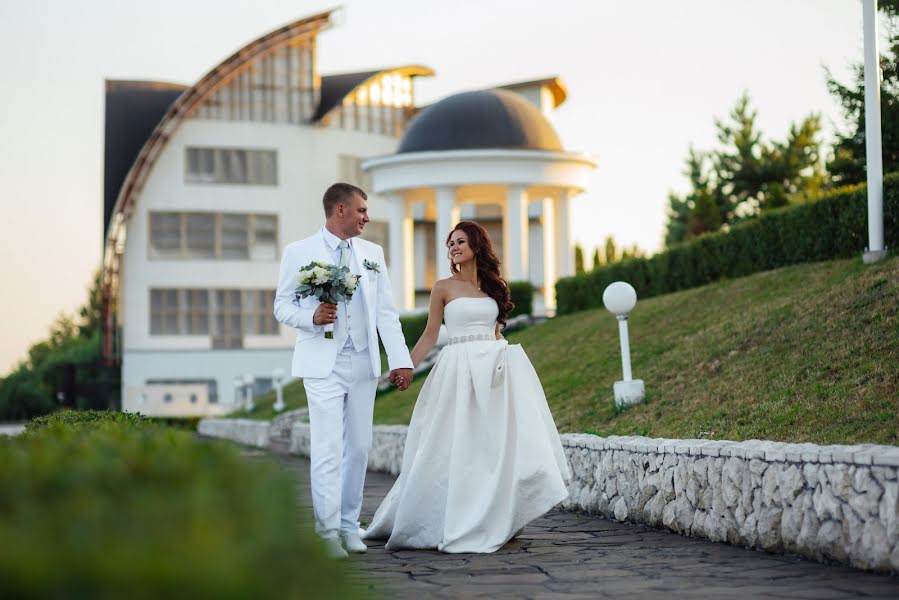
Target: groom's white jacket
<point>314,356</point>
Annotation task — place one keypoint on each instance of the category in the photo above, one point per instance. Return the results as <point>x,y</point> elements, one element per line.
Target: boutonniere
<point>371,266</point>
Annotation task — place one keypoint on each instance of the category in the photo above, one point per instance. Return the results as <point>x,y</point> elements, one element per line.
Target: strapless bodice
<point>471,318</point>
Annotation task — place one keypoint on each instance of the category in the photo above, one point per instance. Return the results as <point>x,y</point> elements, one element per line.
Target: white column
<point>447,218</point>
<point>873,150</point>
<point>562,218</point>
<point>515,233</point>
<point>549,254</point>
<point>400,266</point>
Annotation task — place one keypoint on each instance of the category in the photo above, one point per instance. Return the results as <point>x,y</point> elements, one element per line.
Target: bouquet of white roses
<point>327,283</point>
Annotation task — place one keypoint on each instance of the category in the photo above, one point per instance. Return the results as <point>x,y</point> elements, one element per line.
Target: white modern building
<point>205,184</point>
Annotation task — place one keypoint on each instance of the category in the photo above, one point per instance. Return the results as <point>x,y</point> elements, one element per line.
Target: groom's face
<point>354,216</point>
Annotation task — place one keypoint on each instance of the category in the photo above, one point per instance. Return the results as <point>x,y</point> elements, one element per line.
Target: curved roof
<point>555,85</point>
<point>334,88</point>
<point>477,120</point>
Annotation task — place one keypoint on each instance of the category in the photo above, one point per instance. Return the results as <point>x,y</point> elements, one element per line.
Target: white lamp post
<point>278,382</point>
<point>248,381</point>
<point>619,299</point>
<point>873,151</point>
<point>238,391</point>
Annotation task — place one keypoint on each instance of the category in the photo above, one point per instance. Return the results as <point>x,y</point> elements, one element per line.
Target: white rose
<point>321,275</point>
<point>350,282</point>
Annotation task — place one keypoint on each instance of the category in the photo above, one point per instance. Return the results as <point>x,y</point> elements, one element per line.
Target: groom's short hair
<point>338,193</point>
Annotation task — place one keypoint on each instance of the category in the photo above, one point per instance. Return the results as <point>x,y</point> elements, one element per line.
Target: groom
<point>341,374</point>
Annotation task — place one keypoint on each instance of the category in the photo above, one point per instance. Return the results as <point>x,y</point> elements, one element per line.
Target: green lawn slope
<point>808,353</point>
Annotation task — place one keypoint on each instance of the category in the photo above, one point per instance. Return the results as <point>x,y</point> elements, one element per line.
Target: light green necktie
<point>344,248</point>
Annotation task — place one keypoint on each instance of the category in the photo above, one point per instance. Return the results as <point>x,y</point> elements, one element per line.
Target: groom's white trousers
<point>340,417</point>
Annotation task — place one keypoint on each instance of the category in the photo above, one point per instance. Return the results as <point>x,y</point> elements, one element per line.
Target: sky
<point>645,81</point>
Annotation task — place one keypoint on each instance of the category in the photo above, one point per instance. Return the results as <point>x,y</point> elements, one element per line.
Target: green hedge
<point>114,506</point>
<point>522,298</point>
<point>413,327</point>
<point>834,226</point>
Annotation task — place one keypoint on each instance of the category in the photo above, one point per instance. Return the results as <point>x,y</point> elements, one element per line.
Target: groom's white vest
<point>314,356</point>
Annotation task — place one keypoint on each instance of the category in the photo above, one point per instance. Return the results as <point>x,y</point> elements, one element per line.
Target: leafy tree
<point>848,163</point>
<point>745,175</point>
<point>611,252</point>
<point>597,259</point>
<point>71,349</point>
<point>578,259</point>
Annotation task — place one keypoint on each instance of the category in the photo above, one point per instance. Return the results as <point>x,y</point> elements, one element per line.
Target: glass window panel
<point>265,237</point>
<point>235,236</point>
<point>165,234</point>
<point>201,235</point>
<point>197,312</point>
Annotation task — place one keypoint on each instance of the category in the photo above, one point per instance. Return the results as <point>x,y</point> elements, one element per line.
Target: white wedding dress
<point>483,456</point>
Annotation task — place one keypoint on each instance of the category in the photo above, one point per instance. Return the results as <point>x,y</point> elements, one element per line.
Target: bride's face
<point>459,250</point>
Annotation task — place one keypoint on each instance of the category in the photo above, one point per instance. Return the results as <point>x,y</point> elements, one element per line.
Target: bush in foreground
<point>94,507</point>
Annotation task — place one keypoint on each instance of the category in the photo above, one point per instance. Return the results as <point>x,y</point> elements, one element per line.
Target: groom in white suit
<point>340,374</point>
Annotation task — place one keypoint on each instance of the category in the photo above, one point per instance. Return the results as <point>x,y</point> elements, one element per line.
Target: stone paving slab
<point>568,555</point>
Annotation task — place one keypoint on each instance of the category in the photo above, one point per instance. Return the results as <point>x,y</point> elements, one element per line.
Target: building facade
<point>205,185</point>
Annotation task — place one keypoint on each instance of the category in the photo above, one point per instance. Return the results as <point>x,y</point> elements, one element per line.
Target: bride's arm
<point>435,317</point>
<point>499,334</point>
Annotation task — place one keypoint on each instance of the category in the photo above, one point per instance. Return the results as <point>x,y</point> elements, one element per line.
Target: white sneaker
<point>333,548</point>
<point>352,542</point>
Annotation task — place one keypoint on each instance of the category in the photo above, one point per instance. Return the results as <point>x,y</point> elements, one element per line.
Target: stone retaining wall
<point>249,432</point>
<point>824,502</point>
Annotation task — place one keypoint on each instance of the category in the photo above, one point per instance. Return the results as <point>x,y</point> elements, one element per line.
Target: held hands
<point>401,378</point>
<point>324,314</point>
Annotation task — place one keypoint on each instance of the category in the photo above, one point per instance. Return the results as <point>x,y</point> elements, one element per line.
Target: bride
<point>483,457</point>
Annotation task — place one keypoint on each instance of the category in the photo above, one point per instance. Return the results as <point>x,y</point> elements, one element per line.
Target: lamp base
<point>628,393</point>
<point>870,257</point>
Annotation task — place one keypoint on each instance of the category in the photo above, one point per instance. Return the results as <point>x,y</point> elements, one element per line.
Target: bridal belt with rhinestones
<point>480,337</point>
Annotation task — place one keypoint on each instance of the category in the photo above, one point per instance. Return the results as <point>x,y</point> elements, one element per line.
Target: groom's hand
<point>324,314</point>
<point>401,378</point>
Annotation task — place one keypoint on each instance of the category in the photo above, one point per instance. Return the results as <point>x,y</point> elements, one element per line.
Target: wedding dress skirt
<point>483,456</point>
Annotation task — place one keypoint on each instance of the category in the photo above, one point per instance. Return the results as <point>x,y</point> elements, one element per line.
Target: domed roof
<point>482,119</point>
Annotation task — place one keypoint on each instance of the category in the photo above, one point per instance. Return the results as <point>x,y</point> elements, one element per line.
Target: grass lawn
<point>808,353</point>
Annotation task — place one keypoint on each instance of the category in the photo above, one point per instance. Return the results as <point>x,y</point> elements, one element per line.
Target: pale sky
<point>645,80</point>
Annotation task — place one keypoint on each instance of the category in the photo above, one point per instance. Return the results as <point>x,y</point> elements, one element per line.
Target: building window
<point>225,315</point>
<point>167,398</point>
<point>258,314</point>
<point>164,312</point>
<point>213,236</point>
<point>231,165</point>
<point>211,386</point>
<point>165,234</point>
<point>264,245</point>
<point>227,330</point>
<point>196,312</point>
<point>200,235</point>
<point>235,237</point>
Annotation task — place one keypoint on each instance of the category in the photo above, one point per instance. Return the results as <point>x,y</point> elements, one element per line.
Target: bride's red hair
<point>487,264</point>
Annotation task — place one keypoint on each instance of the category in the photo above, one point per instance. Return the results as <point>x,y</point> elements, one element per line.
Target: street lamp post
<point>278,382</point>
<point>248,381</point>
<point>873,151</point>
<point>619,298</point>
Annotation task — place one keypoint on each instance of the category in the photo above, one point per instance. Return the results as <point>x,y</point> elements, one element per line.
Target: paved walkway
<point>569,555</point>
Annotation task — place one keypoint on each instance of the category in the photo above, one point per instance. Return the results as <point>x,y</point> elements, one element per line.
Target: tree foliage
<point>848,163</point>
<point>746,175</point>
<point>71,351</point>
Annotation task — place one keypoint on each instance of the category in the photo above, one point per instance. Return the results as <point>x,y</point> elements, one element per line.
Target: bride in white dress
<point>483,456</point>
